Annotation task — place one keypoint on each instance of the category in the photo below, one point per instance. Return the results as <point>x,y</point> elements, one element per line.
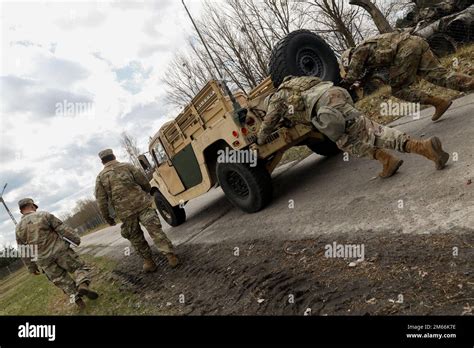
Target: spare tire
<point>303,53</point>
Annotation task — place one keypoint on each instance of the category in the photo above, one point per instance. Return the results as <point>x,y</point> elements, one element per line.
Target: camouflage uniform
<point>408,58</point>
<point>331,110</point>
<point>55,257</point>
<point>126,189</point>
<point>361,136</point>
<point>294,100</point>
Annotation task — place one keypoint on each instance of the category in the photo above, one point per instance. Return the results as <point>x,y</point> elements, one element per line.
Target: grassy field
<point>24,294</point>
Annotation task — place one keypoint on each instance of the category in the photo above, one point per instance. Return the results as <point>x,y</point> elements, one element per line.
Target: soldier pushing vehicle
<point>55,257</point>
<point>308,100</point>
<point>408,57</point>
<point>127,190</point>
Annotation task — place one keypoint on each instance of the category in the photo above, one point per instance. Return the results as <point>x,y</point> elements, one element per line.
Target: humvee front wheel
<point>248,188</point>
<point>174,216</point>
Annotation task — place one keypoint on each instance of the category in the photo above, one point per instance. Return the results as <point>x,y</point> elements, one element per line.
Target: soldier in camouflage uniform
<point>308,100</point>
<point>127,190</point>
<point>408,58</point>
<point>45,232</point>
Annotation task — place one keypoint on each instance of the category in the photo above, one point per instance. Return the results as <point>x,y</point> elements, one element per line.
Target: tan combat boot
<point>173,260</point>
<point>149,266</point>
<point>390,163</point>
<point>431,149</point>
<point>440,104</point>
<point>84,290</point>
<point>80,303</point>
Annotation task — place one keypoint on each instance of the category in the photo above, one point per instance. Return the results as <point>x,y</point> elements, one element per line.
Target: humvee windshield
<point>159,154</point>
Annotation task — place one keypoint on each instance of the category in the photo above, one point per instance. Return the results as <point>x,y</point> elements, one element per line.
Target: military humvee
<point>187,151</point>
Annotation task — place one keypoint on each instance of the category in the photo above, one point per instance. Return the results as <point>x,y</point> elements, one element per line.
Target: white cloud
<point>109,55</point>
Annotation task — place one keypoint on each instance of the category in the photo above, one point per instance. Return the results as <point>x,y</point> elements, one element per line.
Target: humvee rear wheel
<point>248,188</point>
<point>174,216</point>
<point>324,148</point>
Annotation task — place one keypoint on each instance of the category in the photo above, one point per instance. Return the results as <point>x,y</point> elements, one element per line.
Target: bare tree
<point>342,26</point>
<point>379,19</point>
<point>129,144</point>
<point>85,215</point>
<point>240,35</point>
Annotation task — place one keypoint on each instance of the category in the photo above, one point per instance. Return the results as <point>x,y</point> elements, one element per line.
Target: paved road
<point>332,196</point>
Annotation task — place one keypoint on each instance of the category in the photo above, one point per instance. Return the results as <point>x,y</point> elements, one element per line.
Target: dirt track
<point>214,281</point>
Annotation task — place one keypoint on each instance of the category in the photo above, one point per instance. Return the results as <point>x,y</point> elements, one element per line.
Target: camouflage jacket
<point>44,231</point>
<point>294,100</point>
<point>123,186</point>
<point>378,51</point>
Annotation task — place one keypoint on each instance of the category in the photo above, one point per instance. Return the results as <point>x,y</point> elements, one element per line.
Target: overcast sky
<point>73,77</point>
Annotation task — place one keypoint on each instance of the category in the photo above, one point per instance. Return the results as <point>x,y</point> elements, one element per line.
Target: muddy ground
<point>267,275</point>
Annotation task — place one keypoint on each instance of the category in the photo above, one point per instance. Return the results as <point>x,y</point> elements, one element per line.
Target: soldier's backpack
<point>296,86</point>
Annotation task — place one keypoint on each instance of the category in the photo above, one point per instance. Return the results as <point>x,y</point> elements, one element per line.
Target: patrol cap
<point>25,201</point>
<point>106,152</point>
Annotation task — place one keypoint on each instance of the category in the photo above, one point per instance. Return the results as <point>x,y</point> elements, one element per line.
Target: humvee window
<point>159,154</point>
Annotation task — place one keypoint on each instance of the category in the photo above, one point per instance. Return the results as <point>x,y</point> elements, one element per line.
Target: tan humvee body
<point>208,123</point>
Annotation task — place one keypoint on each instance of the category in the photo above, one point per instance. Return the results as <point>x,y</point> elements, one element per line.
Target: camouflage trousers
<point>414,60</point>
<point>132,231</point>
<point>363,136</point>
<point>59,267</point>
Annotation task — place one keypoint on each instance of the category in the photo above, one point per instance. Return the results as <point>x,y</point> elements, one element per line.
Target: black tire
<point>325,148</point>
<point>248,188</point>
<point>174,216</point>
<point>303,53</point>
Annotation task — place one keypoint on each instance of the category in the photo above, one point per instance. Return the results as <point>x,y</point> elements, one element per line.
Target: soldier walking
<point>55,257</point>
<point>127,190</point>
<point>408,58</point>
<point>310,101</point>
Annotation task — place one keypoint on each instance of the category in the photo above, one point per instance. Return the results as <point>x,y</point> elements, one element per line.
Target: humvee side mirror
<point>144,162</point>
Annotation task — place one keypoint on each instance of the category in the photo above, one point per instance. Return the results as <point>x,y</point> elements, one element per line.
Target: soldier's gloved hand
<point>111,222</point>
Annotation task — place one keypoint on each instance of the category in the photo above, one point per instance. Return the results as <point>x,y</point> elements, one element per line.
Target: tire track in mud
<point>267,274</point>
